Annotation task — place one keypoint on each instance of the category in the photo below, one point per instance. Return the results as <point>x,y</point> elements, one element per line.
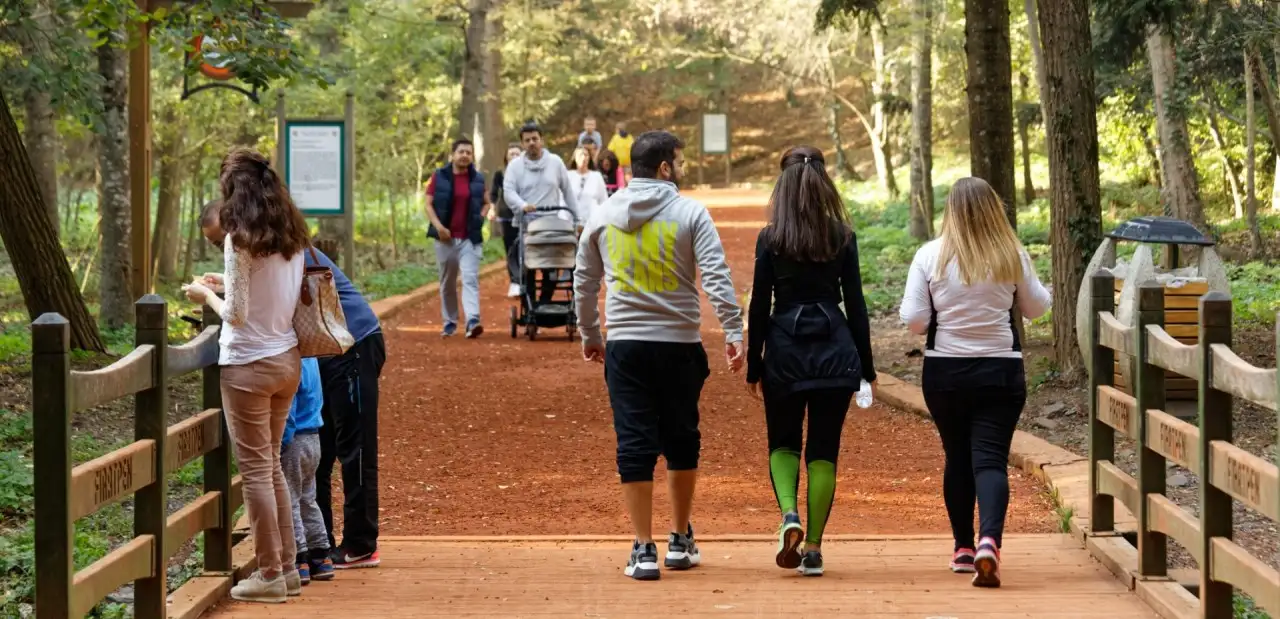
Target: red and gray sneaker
<point>344,559</point>
<point>962,561</point>
<point>986,564</point>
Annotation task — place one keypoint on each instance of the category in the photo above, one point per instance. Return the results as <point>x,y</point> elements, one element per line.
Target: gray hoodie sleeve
<point>717,281</point>
<point>586,285</point>
<point>510,178</point>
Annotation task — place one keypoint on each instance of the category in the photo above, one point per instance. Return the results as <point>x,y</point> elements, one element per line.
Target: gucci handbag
<point>318,319</point>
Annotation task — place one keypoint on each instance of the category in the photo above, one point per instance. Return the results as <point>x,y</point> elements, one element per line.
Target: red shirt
<point>461,196</point>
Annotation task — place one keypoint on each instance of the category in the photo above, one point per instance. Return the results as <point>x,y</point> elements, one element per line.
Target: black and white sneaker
<point>682,552</point>
<point>811,564</point>
<point>643,564</point>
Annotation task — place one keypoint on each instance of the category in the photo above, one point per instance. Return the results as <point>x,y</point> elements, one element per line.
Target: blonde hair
<point>976,234</point>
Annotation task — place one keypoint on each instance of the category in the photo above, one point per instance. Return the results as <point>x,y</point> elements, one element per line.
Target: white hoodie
<point>649,243</point>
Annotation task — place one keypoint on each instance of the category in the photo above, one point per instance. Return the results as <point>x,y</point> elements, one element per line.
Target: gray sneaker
<point>643,564</point>
<point>811,563</point>
<point>255,588</point>
<point>682,552</point>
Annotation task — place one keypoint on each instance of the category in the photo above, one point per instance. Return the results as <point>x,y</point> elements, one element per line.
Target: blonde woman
<point>961,294</point>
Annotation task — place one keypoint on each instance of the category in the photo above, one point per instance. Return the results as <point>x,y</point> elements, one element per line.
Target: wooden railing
<point>1227,473</point>
<point>65,492</point>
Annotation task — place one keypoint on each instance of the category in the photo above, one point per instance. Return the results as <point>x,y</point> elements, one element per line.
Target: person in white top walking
<point>266,237</point>
<point>961,294</point>
<point>588,184</point>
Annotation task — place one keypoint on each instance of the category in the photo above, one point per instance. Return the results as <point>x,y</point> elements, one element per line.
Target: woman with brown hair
<point>961,292</point>
<point>266,237</point>
<point>808,354</point>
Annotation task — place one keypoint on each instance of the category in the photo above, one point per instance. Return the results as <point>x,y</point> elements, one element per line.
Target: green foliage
<point>17,484</point>
<point>1245,608</point>
<point>1255,286</point>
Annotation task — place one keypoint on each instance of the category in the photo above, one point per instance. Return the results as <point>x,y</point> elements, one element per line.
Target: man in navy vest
<point>457,207</point>
<point>349,433</point>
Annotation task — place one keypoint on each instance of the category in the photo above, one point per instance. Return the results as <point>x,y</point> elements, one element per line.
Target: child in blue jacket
<point>299,457</point>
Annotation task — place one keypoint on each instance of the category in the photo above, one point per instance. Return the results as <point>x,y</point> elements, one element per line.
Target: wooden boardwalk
<point>1045,576</point>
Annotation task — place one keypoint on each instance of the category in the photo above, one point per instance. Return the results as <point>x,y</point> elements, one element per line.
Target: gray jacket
<point>544,182</point>
<point>649,243</point>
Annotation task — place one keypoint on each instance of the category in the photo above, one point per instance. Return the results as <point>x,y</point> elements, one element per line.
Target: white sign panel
<point>715,134</point>
<point>315,168</point>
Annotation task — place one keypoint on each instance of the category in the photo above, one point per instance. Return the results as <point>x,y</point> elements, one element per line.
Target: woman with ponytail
<point>263,246</point>
<point>804,353</point>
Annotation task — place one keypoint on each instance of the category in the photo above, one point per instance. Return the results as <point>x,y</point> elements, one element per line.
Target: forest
<point>1081,113</point>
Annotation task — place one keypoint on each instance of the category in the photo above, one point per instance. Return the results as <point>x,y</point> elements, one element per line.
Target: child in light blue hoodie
<point>299,457</point>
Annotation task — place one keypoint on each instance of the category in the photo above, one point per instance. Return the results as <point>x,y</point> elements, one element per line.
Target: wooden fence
<point>65,492</point>
<point>1227,473</point>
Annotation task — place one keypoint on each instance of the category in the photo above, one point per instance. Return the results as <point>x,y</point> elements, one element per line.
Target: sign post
<point>715,141</point>
<point>317,160</point>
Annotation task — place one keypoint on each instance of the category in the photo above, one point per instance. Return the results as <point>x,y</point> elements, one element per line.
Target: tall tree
<point>495,135</point>
<point>115,296</point>
<point>471,117</point>
<point>990,97</point>
<point>31,241</point>
<point>41,132</point>
<point>164,242</point>
<point>921,222</point>
<point>1037,46</point>
<point>1071,131</point>
<point>881,112</point>
<point>1250,163</point>
<point>1181,187</point>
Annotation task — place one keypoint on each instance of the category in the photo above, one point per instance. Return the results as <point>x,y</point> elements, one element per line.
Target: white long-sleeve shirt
<point>968,321</point>
<point>589,191</point>
<point>261,295</point>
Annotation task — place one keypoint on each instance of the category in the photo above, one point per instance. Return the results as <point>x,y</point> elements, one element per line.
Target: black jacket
<point>805,342</point>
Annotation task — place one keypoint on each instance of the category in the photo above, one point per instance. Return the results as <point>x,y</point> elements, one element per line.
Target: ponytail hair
<point>257,213</point>
<point>807,220</point>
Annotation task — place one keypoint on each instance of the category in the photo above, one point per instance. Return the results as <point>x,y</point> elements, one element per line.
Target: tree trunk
<point>1220,144</point>
<point>1024,122</point>
<point>1071,133</point>
<point>1181,189</point>
<point>114,294</point>
<point>193,226</point>
<point>495,140</point>
<point>164,243</point>
<point>921,223</point>
<point>1037,47</point>
<point>1251,198</point>
<point>41,134</point>
<point>471,119</point>
<point>990,97</point>
<point>881,143</point>
<point>31,241</point>
<point>1156,171</point>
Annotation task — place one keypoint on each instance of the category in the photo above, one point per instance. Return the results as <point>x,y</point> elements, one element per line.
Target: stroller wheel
<point>571,330</point>
<point>514,323</point>
<point>533,332</point>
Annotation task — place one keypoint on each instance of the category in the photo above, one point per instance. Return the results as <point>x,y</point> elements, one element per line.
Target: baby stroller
<point>548,247</point>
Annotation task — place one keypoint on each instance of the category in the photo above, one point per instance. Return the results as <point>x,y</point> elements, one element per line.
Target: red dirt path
<point>498,436</point>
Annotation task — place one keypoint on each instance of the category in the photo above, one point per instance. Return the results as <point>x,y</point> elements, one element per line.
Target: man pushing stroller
<point>538,178</point>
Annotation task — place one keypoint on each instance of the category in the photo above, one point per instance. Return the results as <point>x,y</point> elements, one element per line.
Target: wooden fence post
<point>217,467</point>
<point>151,504</point>
<point>51,424</point>
<point>1102,444</point>
<point>1149,392</point>
<point>1215,425</point>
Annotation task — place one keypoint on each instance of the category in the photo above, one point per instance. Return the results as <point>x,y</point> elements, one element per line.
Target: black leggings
<point>976,426</point>
<point>510,241</point>
<point>784,415</point>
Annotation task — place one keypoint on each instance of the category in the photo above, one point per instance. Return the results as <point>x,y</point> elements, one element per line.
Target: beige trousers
<point>256,397</point>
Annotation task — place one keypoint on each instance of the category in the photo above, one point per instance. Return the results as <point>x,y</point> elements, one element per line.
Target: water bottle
<point>863,397</point>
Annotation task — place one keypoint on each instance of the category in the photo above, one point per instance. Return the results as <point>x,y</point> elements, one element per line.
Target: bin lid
<point>1156,229</point>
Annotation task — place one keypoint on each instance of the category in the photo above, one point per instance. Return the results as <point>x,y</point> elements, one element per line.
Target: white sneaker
<point>293,583</point>
<point>513,291</point>
<point>255,588</point>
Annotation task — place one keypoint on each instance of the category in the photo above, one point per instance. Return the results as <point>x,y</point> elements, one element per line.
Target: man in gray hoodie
<point>649,243</point>
<point>538,178</point>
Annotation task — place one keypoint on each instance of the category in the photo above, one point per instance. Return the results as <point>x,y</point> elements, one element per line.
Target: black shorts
<point>654,389</point>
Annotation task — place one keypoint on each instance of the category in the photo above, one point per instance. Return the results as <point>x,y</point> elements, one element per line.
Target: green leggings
<point>785,417</point>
